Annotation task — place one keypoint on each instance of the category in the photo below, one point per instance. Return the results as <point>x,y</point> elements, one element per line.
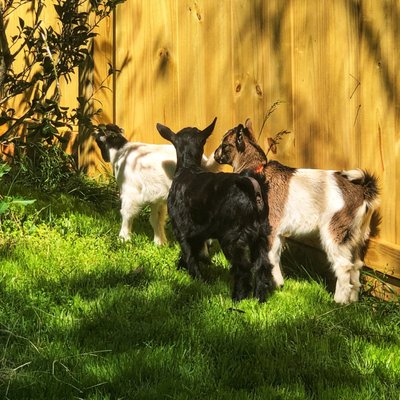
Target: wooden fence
<point>333,65</point>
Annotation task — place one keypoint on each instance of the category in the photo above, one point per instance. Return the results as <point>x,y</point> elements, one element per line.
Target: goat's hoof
<point>343,300</point>
<point>236,298</point>
<point>261,294</point>
<point>239,296</point>
<point>159,242</point>
<point>181,265</point>
<point>354,295</point>
<point>196,275</point>
<point>124,238</point>
<point>160,239</point>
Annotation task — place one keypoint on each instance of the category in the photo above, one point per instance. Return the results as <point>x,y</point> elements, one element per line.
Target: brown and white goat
<point>336,204</point>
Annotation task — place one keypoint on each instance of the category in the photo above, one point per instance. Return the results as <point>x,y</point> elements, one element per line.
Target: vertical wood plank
<point>325,106</point>
<point>217,67</point>
<point>380,99</point>
<point>102,91</point>
<point>146,87</point>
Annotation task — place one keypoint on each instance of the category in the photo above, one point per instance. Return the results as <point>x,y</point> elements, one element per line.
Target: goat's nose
<point>98,134</point>
<point>217,154</point>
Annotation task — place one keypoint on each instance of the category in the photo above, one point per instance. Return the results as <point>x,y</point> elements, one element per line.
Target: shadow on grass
<point>304,263</point>
<point>139,335</point>
<point>152,332</point>
<point>182,342</point>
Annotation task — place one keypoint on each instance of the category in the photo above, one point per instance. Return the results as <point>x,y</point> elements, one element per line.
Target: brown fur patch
<point>341,223</point>
<point>278,177</point>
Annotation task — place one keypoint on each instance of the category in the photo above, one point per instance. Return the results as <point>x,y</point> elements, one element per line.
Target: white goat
<point>143,173</point>
<point>336,204</point>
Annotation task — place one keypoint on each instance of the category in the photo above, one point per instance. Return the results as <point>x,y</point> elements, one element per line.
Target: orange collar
<point>259,169</point>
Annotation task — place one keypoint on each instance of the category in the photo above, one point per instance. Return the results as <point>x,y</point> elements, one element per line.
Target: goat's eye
<point>226,146</point>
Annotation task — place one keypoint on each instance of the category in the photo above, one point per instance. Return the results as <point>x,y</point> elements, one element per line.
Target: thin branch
<point>276,140</point>
<point>19,122</point>
<point>7,13</point>
<point>268,114</point>
<point>6,59</point>
<point>57,94</point>
<point>23,45</point>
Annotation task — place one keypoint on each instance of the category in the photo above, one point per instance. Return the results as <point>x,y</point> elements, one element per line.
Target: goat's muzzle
<point>219,156</point>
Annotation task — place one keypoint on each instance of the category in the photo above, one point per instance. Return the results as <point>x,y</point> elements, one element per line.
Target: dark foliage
<point>51,52</point>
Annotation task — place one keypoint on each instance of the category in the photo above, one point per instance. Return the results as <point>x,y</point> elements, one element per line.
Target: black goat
<point>225,206</point>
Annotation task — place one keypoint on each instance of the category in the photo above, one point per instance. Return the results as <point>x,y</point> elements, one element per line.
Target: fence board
<point>147,86</point>
<point>379,97</point>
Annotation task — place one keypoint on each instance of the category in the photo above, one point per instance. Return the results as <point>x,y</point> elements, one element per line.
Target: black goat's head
<point>188,142</point>
<point>108,137</point>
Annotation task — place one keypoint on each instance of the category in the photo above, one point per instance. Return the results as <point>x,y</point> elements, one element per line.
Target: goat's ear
<point>249,125</point>
<point>99,131</point>
<point>165,132</point>
<point>239,139</point>
<point>208,131</point>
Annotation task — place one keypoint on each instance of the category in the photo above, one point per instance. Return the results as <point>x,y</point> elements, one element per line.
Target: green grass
<point>83,316</point>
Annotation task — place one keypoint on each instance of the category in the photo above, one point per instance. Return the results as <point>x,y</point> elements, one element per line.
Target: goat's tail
<point>369,183</point>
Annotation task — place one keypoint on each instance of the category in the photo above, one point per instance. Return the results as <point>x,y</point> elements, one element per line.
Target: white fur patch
<point>313,198</point>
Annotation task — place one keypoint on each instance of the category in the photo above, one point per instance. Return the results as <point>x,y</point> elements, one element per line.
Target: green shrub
<point>11,205</point>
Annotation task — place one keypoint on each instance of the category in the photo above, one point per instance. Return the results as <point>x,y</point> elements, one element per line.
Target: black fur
<point>224,206</point>
<point>108,137</point>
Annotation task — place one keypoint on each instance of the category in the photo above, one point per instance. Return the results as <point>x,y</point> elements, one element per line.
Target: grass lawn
<point>83,316</point>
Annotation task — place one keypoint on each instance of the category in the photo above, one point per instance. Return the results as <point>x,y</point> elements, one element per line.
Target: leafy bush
<point>52,52</point>
<point>47,167</point>
<point>10,204</point>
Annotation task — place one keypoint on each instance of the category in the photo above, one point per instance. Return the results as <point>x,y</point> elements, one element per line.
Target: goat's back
<point>311,198</point>
<point>145,168</point>
<point>213,202</point>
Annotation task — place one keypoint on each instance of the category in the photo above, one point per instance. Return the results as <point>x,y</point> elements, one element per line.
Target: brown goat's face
<point>233,143</point>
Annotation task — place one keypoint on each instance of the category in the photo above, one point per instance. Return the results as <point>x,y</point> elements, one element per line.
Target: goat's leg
<point>343,285</point>
<point>264,281</point>
<point>205,251</point>
<point>341,259</point>
<point>355,280</point>
<point>182,263</point>
<point>190,258</point>
<point>274,256</point>
<point>241,269</point>
<point>242,286</point>
<point>157,220</point>
<point>129,210</point>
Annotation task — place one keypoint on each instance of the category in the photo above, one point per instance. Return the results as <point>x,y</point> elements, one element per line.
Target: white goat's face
<point>108,137</point>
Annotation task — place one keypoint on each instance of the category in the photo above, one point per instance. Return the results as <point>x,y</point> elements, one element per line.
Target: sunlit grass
<point>83,315</point>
